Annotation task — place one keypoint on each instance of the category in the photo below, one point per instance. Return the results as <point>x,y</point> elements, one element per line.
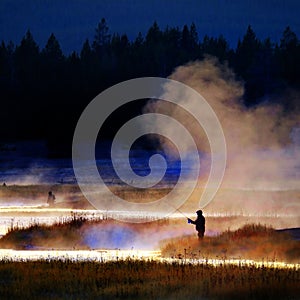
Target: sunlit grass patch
<point>78,232</point>
<point>64,233</point>
<point>252,241</point>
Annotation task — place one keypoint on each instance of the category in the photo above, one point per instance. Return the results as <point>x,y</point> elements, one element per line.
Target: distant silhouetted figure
<point>200,224</point>
<point>51,199</point>
<point>4,184</point>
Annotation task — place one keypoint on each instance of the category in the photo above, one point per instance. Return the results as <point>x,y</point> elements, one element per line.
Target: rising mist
<point>262,141</point>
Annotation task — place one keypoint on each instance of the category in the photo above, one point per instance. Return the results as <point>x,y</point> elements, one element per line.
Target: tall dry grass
<point>252,241</point>
<point>63,234</point>
<point>55,279</point>
<point>69,232</point>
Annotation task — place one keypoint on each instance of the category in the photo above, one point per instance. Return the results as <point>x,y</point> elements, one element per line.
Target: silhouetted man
<point>200,224</point>
<point>51,199</point>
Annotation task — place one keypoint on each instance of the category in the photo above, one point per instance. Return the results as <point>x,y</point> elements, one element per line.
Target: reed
<point>128,279</point>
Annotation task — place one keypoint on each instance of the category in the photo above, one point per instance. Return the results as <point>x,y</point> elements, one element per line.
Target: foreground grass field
<point>147,279</point>
<point>144,280</point>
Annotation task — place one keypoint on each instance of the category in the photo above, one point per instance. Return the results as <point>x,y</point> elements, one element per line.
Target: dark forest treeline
<point>43,92</point>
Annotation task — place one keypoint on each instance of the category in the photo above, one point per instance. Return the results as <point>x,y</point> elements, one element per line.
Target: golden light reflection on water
<point>104,255</point>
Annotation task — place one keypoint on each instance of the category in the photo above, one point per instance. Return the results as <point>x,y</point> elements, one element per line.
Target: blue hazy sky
<point>72,21</point>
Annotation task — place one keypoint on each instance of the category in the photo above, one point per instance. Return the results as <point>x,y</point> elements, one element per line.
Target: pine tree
<point>52,50</point>
<point>289,56</point>
<point>101,37</point>
<point>27,64</point>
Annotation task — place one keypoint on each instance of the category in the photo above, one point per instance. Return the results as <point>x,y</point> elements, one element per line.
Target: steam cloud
<point>262,142</point>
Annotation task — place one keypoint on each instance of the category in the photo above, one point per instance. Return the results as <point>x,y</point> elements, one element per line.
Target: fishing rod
<point>182,213</point>
<point>189,220</point>
<point>177,209</point>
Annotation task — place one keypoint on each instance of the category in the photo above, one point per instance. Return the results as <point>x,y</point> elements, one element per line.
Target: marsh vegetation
<point>128,279</point>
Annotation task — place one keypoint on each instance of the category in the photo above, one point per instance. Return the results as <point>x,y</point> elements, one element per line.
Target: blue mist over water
<point>27,163</point>
<point>112,236</point>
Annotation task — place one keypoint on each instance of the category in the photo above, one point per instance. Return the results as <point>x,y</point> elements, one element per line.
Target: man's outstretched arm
<point>191,221</point>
